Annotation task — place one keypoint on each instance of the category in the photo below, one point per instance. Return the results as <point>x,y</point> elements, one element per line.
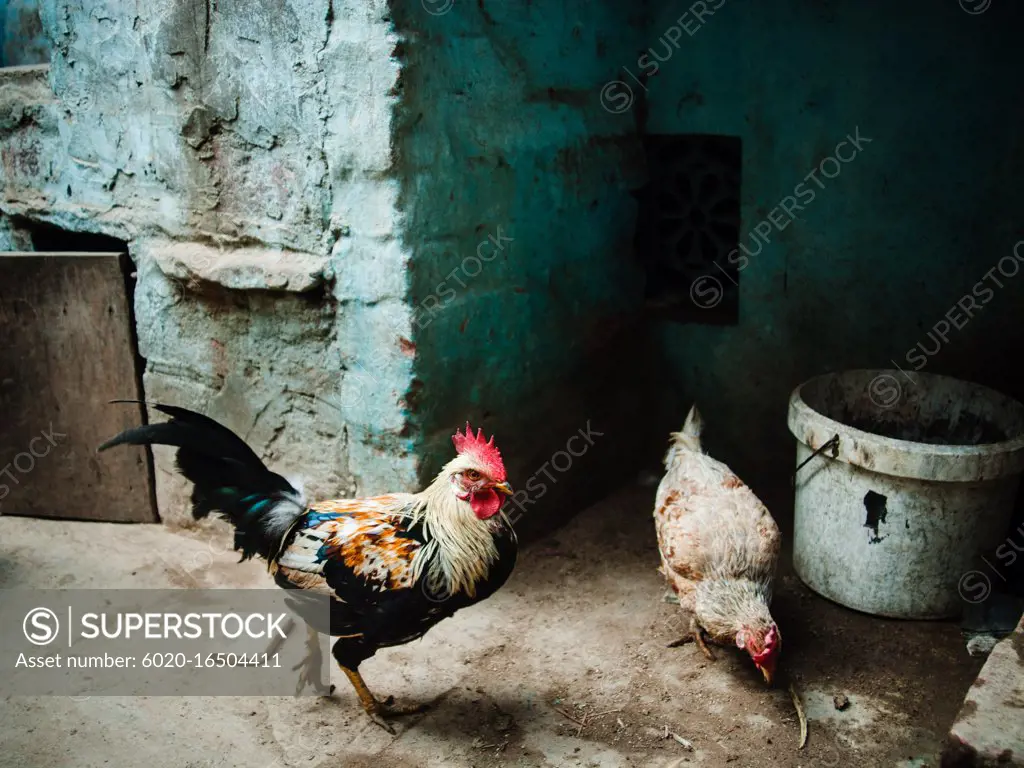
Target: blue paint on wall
<point>502,136</point>
<point>501,129</point>
<point>3,32</point>
<point>22,39</point>
<point>888,246</point>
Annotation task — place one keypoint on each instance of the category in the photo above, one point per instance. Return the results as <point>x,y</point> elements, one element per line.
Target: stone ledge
<point>32,76</point>
<point>242,269</point>
<point>989,731</point>
<point>25,96</point>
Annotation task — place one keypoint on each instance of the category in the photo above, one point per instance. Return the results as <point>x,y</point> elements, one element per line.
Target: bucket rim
<point>906,458</point>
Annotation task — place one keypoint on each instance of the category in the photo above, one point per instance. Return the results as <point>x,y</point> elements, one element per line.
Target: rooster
<point>719,548</point>
<point>393,565</point>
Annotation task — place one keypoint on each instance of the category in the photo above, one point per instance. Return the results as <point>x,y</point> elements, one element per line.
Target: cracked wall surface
<point>300,183</point>
<point>243,153</point>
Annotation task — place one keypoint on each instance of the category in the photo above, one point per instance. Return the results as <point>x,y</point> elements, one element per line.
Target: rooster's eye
<point>472,474</point>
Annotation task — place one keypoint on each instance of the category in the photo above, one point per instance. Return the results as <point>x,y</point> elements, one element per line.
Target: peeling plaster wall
<point>243,152</point>
<point>193,121</point>
<point>516,192</point>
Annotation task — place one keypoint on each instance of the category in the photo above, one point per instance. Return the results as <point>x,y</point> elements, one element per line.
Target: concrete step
<point>989,731</point>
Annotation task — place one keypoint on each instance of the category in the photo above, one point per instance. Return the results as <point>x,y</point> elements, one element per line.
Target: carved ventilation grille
<point>689,225</point>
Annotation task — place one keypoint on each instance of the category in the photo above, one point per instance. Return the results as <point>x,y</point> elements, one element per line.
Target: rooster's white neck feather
<point>459,548</point>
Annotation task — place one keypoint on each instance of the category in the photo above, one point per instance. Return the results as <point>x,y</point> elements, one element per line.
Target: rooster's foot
<point>388,708</point>
<point>379,712</point>
<point>377,719</point>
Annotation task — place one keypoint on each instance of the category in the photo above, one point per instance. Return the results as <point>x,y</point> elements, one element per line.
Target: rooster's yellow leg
<point>370,704</point>
<point>698,637</point>
<point>374,708</point>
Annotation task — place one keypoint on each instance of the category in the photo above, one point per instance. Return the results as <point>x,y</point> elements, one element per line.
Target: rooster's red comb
<point>481,449</point>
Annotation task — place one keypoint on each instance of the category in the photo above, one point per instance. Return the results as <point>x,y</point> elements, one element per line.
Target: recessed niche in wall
<point>688,227</point>
<point>47,237</point>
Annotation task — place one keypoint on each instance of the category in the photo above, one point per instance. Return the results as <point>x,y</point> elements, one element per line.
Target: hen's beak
<point>504,488</point>
<point>767,675</point>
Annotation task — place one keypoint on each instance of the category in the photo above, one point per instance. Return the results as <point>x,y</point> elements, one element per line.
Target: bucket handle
<point>832,443</point>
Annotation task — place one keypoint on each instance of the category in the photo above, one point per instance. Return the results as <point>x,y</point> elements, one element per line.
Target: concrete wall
<point>248,168</point>
<point>300,189</point>
<point>891,243</point>
<point>519,221</point>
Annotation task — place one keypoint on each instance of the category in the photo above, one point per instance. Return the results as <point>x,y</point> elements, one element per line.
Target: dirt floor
<point>566,666</point>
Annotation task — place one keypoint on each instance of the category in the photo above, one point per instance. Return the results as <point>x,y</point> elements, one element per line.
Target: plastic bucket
<point>919,478</point>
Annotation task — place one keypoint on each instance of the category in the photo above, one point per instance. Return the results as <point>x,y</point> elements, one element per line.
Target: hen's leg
<point>311,666</point>
<point>695,635</point>
<point>698,637</point>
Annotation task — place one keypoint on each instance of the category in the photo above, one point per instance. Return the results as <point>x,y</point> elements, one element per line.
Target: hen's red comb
<point>771,646</point>
<point>481,449</point>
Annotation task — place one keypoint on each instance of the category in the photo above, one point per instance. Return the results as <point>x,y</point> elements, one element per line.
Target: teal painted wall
<point>22,39</point>
<point>502,131</point>
<point>501,135</point>
<point>889,245</point>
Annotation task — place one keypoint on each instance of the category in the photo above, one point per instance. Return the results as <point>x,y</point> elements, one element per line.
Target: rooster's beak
<point>767,675</point>
<point>504,488</point>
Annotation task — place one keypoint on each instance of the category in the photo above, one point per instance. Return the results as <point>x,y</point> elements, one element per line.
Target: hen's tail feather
<point>689,436</point>
<point>227,477</point>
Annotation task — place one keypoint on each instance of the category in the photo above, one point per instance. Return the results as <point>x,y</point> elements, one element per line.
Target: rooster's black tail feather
<point>228,477</point>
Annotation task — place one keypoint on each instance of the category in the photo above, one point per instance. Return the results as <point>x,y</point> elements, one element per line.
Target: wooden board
<point>67,348</point>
